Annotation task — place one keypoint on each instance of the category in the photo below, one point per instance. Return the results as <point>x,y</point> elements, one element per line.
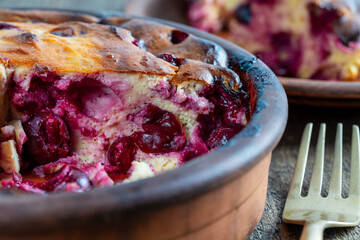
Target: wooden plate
<point>299,91</point>
<point>322,93</point>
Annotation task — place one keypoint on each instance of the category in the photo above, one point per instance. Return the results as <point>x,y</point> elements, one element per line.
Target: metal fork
<point>314,211</point>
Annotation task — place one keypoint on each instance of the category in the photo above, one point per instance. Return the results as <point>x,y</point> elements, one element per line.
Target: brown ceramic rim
<point>194,178</point>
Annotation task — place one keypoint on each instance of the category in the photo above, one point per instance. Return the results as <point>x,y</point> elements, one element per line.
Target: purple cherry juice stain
<point>171,59</point>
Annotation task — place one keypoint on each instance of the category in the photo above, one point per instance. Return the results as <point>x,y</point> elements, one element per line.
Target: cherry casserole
<point>102,102</point>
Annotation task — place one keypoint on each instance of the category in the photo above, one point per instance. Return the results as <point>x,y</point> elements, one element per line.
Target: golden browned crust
<point>46,16</point>
<point>75,47</point>
<point>192,47</point>
<point>192,70</point>
<point>206,53</point>
<point>78,47</point>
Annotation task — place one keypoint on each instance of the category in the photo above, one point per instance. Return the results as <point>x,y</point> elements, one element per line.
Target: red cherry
<point>33,100</point>
<point>217,127</point>
<point>171,59</point>
<point>48,138</point>
<point>220,136</point>
<point>121,153</point>
<point>162,132</point>
<point>64,176</point>
<point>178,36</point>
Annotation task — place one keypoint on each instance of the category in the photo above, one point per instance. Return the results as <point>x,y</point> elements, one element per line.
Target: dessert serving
<point>106,104</point>
<point>312,39</point>
<point>87,105</point>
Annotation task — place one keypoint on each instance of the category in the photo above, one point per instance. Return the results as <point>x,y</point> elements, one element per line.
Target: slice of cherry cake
<point>86,105</point>
<point>318,39</point>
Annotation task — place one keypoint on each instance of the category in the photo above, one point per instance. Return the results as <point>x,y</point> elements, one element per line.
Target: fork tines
<point>317,212</point>
<point>317,172</point>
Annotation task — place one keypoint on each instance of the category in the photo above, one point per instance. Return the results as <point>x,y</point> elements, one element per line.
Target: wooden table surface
<point>283,162</point>
<point>284,156</point>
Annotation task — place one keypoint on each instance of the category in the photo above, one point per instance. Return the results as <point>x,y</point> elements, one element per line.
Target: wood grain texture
<point>283,163</point>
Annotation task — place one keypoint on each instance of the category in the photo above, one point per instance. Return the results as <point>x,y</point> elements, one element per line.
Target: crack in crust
<point>205,59</point>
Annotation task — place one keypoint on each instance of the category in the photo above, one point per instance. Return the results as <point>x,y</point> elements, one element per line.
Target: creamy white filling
<point>139,170</point>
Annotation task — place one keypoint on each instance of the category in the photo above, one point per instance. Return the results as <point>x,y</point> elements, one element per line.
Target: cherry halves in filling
<point>162,132</point>
<point>48,138</point>
<point>121,153</point>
